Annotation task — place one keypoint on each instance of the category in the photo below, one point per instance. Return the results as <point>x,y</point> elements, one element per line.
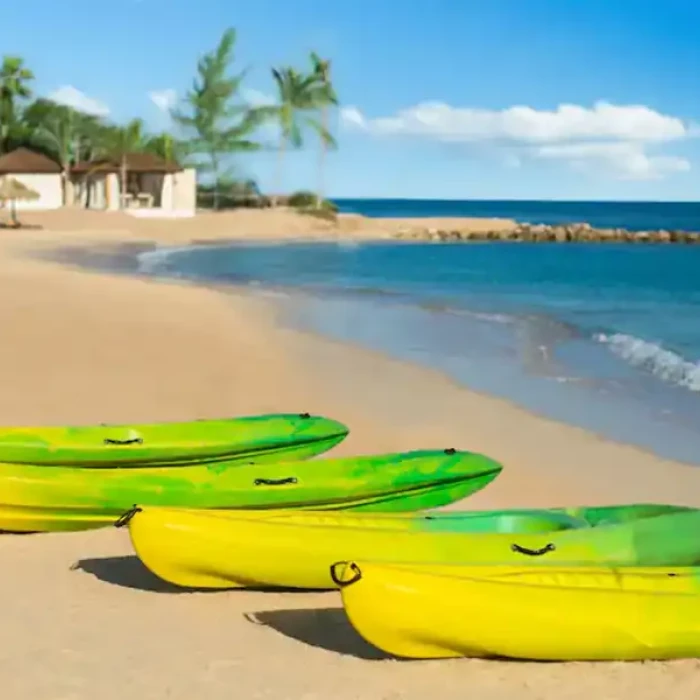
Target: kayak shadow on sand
<point>129,572</point>
<point>324,628</point>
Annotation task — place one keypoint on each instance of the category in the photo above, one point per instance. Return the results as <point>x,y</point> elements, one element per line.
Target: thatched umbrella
<point>11,190</point>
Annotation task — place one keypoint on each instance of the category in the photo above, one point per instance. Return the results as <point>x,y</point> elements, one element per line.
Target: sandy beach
<point>81,617</point>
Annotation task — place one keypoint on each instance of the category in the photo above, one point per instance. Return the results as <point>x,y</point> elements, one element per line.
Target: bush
<point>302,199</point>
<point>306,200</point>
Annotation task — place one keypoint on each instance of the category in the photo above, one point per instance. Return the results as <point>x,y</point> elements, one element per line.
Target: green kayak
<point>249,438</point>
<point>33,498</point>
<point>517,520</point>
<point>539,520</point>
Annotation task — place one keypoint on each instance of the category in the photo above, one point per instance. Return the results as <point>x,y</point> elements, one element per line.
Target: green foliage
<point>60,132</point>
<point>214,120</point>
<point>118,141</point>
<point>167,147</point>
<point>232,194</point>
<point>15,79</point>
<point>308,202</point>
<point>299,96</point>
<point>301,199</point>
<point>325,95</point>
<point>219,121</point>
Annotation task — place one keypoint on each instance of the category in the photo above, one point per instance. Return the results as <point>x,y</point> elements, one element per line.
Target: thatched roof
<point>25,161</point>
<point>135,163</point>
<point>14,189</point>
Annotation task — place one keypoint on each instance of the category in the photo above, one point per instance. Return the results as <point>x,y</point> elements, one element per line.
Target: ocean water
<point>633,216</point>
<point>606,337</point>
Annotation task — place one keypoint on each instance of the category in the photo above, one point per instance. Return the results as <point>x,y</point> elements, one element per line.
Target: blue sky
<point>440,98</point>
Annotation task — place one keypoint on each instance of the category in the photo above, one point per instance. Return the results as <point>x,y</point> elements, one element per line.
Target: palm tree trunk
<point>215,169</point>
<point>66,183</point>
<point>122,184</point>
<point>322,158</point>
<point>279,171</point>
<point>68,187</point>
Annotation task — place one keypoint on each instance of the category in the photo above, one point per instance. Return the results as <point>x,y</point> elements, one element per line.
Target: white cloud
<point>256,98</point>
<point>351,116</point>
<point>72,97</point>
<point>165,100</point>
<point>605,136</point>
<point>626,160</point>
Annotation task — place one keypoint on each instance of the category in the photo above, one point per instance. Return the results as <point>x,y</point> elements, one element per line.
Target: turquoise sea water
<point>604,336</point>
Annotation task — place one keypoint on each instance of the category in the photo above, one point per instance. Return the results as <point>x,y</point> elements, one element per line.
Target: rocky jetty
<point>563,233</point>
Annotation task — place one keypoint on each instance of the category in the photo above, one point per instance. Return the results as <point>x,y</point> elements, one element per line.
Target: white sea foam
<point>154,261</point>
<point>663,363</point>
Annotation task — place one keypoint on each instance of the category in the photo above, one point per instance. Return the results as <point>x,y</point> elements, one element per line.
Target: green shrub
<point>305,200</point>
<point>302,199</point>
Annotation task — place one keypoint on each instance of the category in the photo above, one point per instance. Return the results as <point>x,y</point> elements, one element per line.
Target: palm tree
<point>221,124</point>
<point>325,98</point>
<point>299,97</point>
<point>166,147</point>
<point>118,142</point>
<point>56,128</point>
<point>14,87</point>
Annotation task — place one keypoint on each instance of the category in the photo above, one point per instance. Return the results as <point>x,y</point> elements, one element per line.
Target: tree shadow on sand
<point>324,628</point>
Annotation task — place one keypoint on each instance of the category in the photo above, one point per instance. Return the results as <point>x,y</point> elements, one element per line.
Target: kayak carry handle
<point>450,451</point>
<point>276,482</point>
<point>533,552</point>
<point>304,415</point>
<point>132,441</point>
<point>343,582</point>
<point>125,518</point>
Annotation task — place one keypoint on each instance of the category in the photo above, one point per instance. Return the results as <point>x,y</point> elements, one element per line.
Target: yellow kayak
<point>205,549</point>
<point>538,613</point>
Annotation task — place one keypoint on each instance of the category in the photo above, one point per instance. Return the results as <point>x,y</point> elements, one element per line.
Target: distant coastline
<point>632,216</point>
<point>537,221</point>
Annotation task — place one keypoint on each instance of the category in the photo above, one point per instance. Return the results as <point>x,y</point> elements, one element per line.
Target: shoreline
<point>270,309</point>
<point>123,259</point>
<point>90,347</point>
<point>286,225</point>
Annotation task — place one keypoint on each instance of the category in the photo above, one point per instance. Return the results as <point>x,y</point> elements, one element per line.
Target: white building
<point>39,173</point>
<point>154,187</point>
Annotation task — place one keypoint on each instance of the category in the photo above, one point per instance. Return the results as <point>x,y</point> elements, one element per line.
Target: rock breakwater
<point>562,233</point>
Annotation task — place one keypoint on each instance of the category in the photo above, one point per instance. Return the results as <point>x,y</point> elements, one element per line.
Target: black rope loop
<point>342,583</point>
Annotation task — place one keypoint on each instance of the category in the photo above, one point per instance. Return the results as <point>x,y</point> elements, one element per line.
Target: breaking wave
<point>663,363</point>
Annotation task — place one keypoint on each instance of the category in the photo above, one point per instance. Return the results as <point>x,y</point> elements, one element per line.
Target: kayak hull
<point>200,549</point>
<point>514,520</point>
<point>248,438</point>
<point>546,614</point>
<point>37,499</point>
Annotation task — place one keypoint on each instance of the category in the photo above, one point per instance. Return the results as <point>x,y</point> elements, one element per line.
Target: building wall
<point>112,192</point>
<point>90,190</point>
<point>47,186</point>
<point>185,190</point>
<point>168,191</point>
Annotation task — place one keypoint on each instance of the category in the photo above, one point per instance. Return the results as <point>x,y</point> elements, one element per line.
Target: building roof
<point>23,160</point>
<point>135,163</point>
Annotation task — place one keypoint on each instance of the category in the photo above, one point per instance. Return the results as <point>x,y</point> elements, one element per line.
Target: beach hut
<point>38,173</point>
<point>154,186</point>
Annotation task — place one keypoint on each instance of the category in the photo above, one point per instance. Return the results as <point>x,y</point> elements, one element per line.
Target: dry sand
<point>81,619</point>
